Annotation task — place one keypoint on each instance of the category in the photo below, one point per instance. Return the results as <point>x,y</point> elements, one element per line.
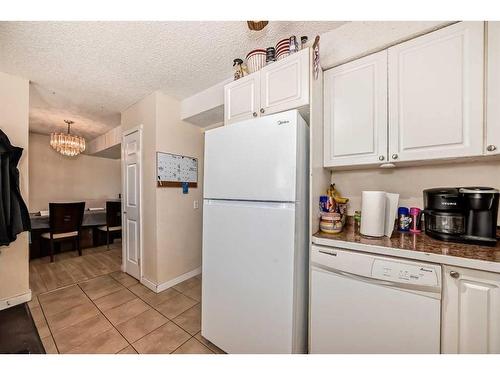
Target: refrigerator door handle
<point>247,203</point>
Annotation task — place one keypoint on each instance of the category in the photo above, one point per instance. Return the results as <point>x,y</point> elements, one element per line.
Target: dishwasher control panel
<point>404,273</point>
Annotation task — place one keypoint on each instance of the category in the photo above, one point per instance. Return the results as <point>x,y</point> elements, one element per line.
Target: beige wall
<point>179,225</point>
<point>171,227</point>
<point>58,178</point>
<point>14,104</point>
<point>410,181</point>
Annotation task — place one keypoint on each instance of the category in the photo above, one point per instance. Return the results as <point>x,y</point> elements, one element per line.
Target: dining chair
<point>65,221</point>
<point>113,219</point>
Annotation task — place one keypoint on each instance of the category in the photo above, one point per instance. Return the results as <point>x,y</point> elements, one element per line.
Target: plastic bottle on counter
<point>415,214</point>
<point>357,222</point>
<point>404,219</point>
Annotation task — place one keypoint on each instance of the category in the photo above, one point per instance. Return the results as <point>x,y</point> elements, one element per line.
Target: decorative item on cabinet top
<point>260,57</point>
<point>240,69</point>
<point>316,63</point>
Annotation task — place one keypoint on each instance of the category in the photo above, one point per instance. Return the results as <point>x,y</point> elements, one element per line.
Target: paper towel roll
<point>373,213</point>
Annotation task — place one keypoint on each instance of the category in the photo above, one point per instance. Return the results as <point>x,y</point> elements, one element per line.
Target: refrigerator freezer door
<point>248,264</point>
<point>253,160</point>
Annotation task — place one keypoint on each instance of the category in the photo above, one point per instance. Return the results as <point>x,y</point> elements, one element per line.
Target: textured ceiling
<point>91,71</point>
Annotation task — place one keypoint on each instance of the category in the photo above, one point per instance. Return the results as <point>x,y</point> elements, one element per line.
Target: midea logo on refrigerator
<point>282,122</point>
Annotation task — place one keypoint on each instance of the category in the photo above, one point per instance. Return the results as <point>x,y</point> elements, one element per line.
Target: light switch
<point>195,205</point>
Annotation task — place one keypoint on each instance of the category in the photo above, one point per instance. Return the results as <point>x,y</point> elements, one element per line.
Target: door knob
<point>394,156</point>
<point>454,274</point>
<point>491,148</point>
<point>381,158</point>
<point>254,114</point>
<point>262,110</point>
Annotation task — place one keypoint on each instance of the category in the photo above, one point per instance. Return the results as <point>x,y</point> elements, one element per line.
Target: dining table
<point>89,237</point>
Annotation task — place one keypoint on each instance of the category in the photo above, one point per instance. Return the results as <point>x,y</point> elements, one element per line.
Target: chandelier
<point>67,144</point>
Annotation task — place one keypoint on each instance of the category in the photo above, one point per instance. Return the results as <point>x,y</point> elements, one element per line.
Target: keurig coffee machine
<point>466,214</point>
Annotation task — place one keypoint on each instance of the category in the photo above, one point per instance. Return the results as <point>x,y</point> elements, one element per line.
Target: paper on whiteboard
<point>176,168</point>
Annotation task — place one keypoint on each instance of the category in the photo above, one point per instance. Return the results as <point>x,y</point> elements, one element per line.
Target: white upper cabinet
<point>470,312</point>
<point>242,99</point>
<point>277,87</point>
<point>492,144</point>
<point>355,112</point>
<point>436,94</point>
<point>285,84</point>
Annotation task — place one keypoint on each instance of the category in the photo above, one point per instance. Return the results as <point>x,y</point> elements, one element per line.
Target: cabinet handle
<point>254,114</point>
<point>262,110</point>
<point>454,274</point>
<point>394,156</point>
<point>381,158</point>
<point>491,148</point>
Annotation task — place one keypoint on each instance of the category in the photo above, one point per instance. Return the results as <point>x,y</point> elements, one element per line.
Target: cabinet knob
<point>394,156</point>
<point>491,148</point>
<point>381,158</point>
<point>262,110</point>
<point>254,114</point>
<point>454,274</point>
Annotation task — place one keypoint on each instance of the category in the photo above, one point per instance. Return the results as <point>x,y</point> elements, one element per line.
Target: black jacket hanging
<point>14,216</point>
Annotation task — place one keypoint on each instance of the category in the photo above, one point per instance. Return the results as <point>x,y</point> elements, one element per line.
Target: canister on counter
<point>331,223</point>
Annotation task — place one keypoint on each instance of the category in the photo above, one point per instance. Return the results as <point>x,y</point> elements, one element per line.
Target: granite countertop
<point>409,245</point>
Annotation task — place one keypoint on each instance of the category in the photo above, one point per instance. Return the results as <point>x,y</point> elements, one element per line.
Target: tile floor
<point>87,305</point>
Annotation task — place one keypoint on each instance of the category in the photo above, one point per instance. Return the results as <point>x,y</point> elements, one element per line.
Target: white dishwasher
<point>363,303</point>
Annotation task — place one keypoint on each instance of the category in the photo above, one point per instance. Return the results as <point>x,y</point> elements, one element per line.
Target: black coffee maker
<point>462,214</point>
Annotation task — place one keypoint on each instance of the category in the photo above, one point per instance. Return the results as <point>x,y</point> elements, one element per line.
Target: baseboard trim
<point>179,279</point>
<point>15,300</point>
<point>168,284</point>
<point>149,284</point>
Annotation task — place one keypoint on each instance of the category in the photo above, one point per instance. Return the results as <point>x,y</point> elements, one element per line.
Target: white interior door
<point>436,94</point>
<point>131,203</point>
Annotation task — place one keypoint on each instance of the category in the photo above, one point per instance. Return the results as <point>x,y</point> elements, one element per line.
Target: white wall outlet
<point>195,205</point>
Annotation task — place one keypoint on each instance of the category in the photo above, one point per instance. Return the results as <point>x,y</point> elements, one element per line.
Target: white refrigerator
<point>256,234</point>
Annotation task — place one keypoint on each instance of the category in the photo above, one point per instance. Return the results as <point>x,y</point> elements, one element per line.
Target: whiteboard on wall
<point>173,170</point>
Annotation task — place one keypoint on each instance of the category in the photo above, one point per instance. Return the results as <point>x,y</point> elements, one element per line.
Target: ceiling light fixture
<point>67,144</point>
